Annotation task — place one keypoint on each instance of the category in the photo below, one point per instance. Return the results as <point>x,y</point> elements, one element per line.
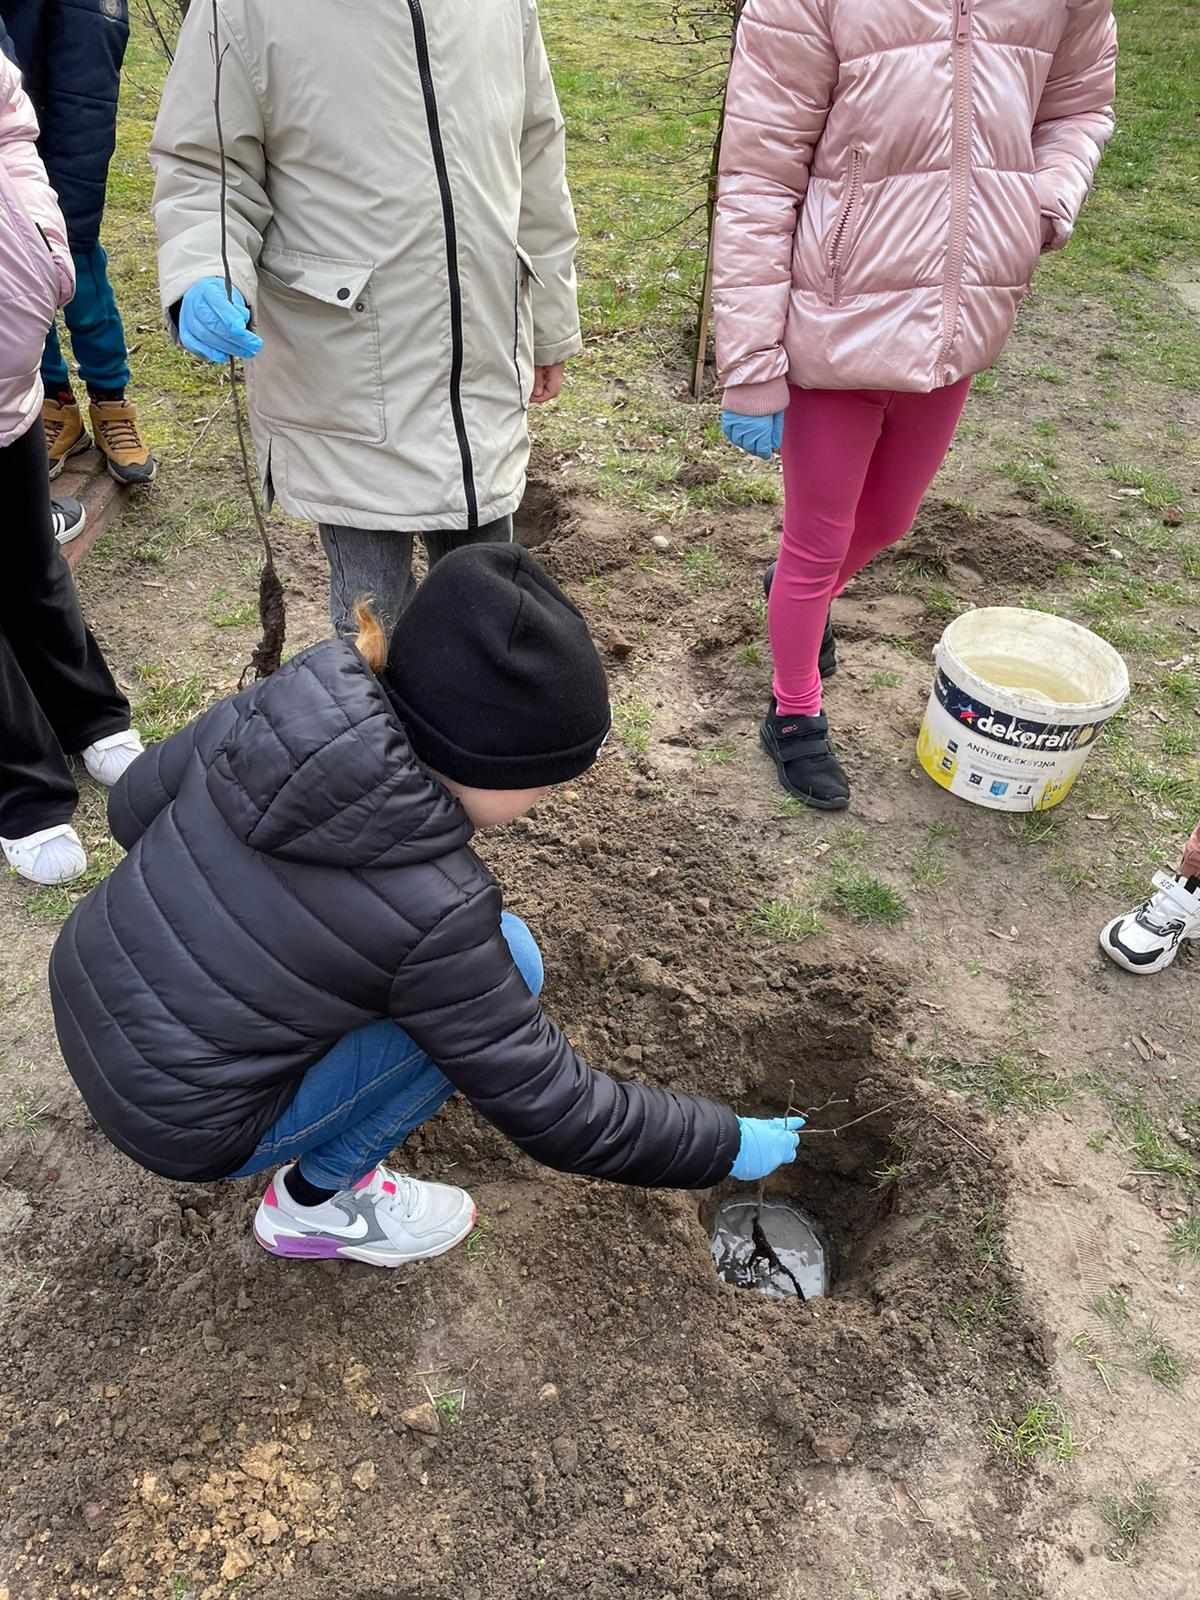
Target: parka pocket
<point>523,334</point>
<point>845,229</point>
<point>320,369</point>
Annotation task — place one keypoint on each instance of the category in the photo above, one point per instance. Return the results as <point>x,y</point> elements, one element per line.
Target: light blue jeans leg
<point>370,1091</point>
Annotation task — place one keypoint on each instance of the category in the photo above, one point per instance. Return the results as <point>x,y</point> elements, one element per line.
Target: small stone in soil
<point>566,1454</point>
<point>422,1419</point>
<point>661,543</point>
<point>237,1561</point>
<point>548,1394</point>
<point>831,1447</point>
<point>364,1475</point>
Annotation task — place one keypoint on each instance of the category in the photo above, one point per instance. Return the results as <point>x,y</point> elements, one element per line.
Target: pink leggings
<point>856,465</point>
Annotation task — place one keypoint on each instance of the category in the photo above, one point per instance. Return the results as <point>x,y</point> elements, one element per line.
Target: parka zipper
<point>421,41</point>
<point>960,180</point>
<point>833,269</point>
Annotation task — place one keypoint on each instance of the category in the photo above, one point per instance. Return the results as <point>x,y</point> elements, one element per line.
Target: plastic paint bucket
<point>1018,701</point>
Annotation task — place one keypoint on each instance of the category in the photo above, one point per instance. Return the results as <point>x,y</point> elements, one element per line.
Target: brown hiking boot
<point>115,430</point>
<point>65,433</point>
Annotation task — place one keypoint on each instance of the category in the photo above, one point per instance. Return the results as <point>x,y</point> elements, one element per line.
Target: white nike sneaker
<point>56,855</point>
<point>108,760</point>
<point>1148,939</point>
<point>386,1220</point>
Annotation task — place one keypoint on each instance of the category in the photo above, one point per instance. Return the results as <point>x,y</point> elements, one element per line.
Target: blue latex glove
<point>767,1143</point>
<point>215,327</point>
<point>758,436</point>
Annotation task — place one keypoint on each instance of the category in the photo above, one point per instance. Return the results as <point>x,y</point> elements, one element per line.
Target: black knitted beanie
<point>494,674</point>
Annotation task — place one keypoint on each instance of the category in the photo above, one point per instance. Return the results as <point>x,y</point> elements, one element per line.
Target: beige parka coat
<point>400,225</point>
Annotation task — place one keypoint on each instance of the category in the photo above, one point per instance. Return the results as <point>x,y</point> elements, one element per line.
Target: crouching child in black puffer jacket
<point>301,958</point>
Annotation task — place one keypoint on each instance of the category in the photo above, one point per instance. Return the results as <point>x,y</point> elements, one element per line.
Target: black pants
<point>57,695</point>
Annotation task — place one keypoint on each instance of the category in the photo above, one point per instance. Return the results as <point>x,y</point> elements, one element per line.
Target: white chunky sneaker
<point>108,760</point>
<point>386,1220</point>
<point>56,855</point>
<point>1148,939</point>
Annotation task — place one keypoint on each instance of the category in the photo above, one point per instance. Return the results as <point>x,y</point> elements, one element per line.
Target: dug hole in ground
<point>607,1417</point>
<point>996,1400</point>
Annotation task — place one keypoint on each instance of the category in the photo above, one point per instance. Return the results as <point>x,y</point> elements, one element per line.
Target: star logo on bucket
<point>968,714</point>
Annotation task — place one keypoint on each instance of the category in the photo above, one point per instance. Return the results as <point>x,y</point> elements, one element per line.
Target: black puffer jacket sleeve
<point>461,998</point>
<point>152,782</point>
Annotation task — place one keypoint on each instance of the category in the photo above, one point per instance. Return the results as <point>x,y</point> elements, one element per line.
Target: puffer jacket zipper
<point>960,179</point>
<point>421,41</point>
<point>842,231</point>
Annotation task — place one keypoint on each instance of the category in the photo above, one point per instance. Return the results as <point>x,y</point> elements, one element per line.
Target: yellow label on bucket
<point>936,759</point>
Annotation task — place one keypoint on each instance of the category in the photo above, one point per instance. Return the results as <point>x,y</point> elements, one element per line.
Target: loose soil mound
<point>179,1404</point>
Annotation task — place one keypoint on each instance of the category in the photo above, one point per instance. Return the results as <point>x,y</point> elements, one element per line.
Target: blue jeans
<point>97,333</point>
<point>356,1104</point>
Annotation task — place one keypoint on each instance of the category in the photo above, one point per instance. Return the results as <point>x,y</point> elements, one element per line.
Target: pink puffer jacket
<point>890,173</point>
<point>37,275</point>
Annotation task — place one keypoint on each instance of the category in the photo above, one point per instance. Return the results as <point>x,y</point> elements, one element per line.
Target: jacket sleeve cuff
<point>757,399</point>
<point>555,351</point>
<point>183,262</point>
<point>1056,231</point>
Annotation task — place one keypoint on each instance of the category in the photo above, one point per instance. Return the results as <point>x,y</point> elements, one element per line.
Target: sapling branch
<point>272,611</point>
<point>806,1133</point>
<point>152,18</point>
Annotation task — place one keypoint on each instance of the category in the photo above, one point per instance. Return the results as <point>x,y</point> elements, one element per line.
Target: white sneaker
<point>56,855</point>
<point>386,1220</point>
<point>1148,939</point>
<point>108,760</point>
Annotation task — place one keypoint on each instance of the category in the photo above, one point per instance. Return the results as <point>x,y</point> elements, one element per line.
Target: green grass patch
<point>703,568</point>
<point>866,899</point>
<point>980,1314</point>
<point>1155,488</point>
<point>166,702</point>
<point>1152,1151</point>
<point>785,922</point>
<point>929,868</point>
<point>450,1405</point>
<point>1007,1081</point>
<point>715,755</point>
<point>1130,1517</point>
<point>1040,1433</point>
<point>23,1116</point>
<point>1161,1361</point>
<point>55,903</point>
<point>1112,1308</point>
<point>1184,1241</point>
<point>480,1244</point>
<point>225,611</point>
<point>632,720</point>
<point>1143,224</point>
